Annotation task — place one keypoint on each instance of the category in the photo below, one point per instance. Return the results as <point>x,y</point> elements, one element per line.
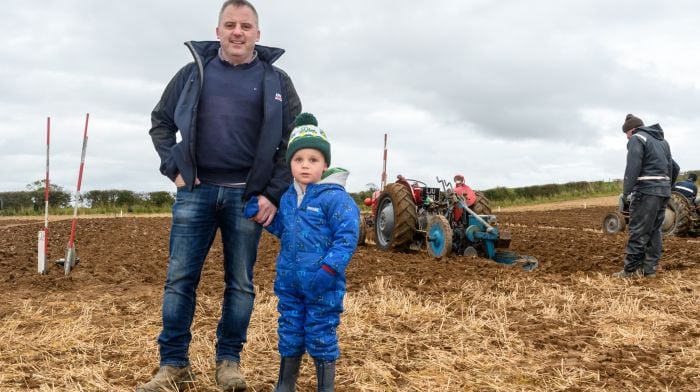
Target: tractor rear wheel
<point>396,220</point>
<point>677,219</point>
<point>614,222</point>
<point>438,236</point>
<point>481,205</point>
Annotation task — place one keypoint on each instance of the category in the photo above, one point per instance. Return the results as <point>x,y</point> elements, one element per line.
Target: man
<point>649,174</point>
<point>464,190</point>
<point>234,112</point>
<point>687,187</point>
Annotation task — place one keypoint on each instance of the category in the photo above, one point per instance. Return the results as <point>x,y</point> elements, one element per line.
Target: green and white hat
<point>307,134</point>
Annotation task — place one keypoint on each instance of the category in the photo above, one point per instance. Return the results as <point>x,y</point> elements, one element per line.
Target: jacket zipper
<point>193,121</point>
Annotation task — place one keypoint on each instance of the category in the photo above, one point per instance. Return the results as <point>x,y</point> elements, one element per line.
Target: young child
<point>318,224</point>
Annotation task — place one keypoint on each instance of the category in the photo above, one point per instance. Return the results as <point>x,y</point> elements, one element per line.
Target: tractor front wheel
<point>614,222</point>
<point>396,220</point>
<point>438,236</point>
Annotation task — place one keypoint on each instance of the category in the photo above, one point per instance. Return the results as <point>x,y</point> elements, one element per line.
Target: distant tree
<point>161,198</point>
<point>98,199</point>
<point>112,198</point>
<point>126,198</point>
<point>16,200</point>
<point>58,197</point>
<point>360,197</point>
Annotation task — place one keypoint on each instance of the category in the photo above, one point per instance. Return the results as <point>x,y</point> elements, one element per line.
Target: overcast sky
<point>508,93</point>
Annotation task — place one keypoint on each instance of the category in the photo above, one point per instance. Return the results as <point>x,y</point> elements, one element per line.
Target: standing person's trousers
<point>644,245</point>
<point>197,215</point>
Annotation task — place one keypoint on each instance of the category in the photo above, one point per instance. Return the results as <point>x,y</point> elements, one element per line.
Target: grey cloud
<point>492,89</point>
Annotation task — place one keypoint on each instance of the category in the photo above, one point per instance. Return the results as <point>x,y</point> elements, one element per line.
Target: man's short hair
<point>238,3</point>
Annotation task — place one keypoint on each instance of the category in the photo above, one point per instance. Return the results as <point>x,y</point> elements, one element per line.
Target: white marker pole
<point>42,253</point>
<point>43,247</point>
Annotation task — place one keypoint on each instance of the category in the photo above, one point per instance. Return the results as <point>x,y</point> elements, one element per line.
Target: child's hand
<point>251,207</point>
<point>323,280</point>
<point>260,209</point>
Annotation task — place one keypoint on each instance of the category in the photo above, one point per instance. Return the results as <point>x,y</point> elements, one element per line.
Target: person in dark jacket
<point>687,187</point>
<point>318,224</point>
<point>649,174</point>
<point>234,111</point>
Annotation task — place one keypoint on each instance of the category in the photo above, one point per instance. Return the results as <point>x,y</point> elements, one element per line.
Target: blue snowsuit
<point>318,227</point>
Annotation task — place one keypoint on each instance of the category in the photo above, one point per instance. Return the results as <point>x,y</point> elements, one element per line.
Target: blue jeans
<point>197,214</point>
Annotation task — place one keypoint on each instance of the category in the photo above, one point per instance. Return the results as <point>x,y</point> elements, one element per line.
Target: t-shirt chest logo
<point>278,97</point>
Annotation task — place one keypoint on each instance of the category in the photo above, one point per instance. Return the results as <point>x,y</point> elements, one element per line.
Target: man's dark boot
<point>289,371</point>
<point>325,375</point>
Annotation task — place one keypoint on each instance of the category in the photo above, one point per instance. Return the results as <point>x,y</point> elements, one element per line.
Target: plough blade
<point>527,263</point>
<point>69,261</point>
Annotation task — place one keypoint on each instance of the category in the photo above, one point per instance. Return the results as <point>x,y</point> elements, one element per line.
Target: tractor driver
<point>463,189</point>
<point>687,187</point>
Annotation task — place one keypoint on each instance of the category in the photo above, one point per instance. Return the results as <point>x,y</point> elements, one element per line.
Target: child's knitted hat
<point>307,134</point>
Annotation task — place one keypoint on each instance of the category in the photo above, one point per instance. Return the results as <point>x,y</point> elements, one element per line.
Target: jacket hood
<point>335,175</point>
<point>333,178</point>
<point>653,130</point>
<point>207,49</point>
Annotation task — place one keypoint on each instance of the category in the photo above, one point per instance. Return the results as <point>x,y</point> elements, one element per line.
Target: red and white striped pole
<point>70,252</point>
<point>44,235</point>
<point>384,166</point>
<point>47,185</point>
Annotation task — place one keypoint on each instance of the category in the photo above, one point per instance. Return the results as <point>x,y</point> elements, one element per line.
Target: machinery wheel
<point>677,219</point>
<point>438,236</point>
<point>362,237</point>
<point>614,222</point>
<point>481,205</point>
<point>470,251</point>
<point>396,220</point>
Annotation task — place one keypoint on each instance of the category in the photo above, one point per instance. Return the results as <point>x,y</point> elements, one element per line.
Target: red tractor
<point>409,214</point>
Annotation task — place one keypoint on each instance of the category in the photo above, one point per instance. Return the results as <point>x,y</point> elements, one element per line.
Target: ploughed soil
<point>126,259</point>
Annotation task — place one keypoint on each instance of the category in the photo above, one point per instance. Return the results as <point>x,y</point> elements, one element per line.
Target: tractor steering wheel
<point>412,181</point>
